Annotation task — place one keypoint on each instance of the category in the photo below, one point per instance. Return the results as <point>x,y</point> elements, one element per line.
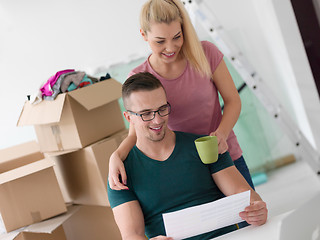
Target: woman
<point>192,73</point>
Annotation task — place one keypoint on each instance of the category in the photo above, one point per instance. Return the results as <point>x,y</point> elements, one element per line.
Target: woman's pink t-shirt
<point>194,99</point>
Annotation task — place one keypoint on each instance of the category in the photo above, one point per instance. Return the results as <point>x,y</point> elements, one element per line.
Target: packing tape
<point>36,216</point>
<point>56,132</point>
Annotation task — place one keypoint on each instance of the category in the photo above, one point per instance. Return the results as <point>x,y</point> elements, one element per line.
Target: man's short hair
<point>143,81</point>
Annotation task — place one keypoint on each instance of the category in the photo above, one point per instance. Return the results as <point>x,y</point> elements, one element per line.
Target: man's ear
<point>144,35</point>
<point>127,116</point>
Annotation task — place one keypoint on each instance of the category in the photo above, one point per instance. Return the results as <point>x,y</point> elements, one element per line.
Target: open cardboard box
<point>29,190</point>
<point>77,118</point>
<point>79,223</point>
<point>83,174</point>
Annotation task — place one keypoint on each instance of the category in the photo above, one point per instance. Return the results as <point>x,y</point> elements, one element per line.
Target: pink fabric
<point>194,99</point>
<point>46,89</point>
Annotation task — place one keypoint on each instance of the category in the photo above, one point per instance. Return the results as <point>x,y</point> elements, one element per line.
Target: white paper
<point>206,217</point>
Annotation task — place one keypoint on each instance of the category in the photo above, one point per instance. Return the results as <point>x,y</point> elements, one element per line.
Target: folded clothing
<point>75,78</point>
<point>84,82</point>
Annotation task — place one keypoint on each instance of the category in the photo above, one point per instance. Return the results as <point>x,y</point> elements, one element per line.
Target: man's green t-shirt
<point>179,182</point>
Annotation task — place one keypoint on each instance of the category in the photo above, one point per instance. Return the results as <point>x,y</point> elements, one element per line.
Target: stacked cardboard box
<point>29,191</point>
<point>77,132</point>
<point>83,174</point>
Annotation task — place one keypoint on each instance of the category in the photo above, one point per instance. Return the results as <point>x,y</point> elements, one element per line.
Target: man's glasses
<point>150,115</point>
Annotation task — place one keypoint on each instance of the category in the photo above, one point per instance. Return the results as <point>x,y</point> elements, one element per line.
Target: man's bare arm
<point>129,218</point>
<point>230,181</point>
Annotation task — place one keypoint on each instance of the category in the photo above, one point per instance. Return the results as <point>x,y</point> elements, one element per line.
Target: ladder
<point>252,79</point>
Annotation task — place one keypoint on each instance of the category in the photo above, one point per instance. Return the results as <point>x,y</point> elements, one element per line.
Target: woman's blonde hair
<point>167,11</point>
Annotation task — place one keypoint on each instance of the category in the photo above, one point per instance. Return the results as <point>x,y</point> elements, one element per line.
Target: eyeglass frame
<point>154,113</point>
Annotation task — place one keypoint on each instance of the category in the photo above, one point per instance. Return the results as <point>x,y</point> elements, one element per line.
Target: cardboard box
<point>29,190</point>
<point>77,118</point>
<point>83,174</point>
<point>57,234</point>
<point>92,222</point>
<point>51,229</point>
<point>79,223</point>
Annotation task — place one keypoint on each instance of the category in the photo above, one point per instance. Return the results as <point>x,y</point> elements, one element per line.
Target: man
<point>164,170</point>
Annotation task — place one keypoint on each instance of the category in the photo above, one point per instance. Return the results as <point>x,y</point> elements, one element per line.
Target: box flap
<point>98,94</point>
<point>19,155</point>
<point>18,151</point>
<point>48,226</point>
<point>25,170</point>
<point>42,113</point>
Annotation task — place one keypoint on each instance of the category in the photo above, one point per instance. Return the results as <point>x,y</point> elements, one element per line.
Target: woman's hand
<point>116,169</point>
<point>222,141</point>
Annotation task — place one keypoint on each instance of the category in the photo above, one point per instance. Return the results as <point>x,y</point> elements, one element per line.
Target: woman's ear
<point>144,35</point>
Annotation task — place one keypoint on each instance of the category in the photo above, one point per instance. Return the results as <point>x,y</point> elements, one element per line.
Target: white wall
<point>39,38</point>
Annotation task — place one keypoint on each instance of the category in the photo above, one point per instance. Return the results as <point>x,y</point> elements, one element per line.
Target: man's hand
<point>256,214</point>
<point>116,167</point>
<point>161,238</point>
